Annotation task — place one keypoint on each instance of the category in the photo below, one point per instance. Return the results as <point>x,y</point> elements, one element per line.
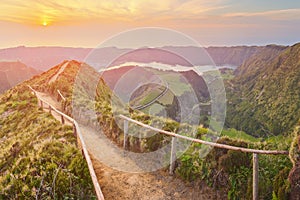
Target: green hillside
<point>39,157</point>
<point>264,96</point>
<point>40,153</point>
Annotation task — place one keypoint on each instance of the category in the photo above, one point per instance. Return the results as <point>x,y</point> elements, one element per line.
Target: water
<point>167,67</point>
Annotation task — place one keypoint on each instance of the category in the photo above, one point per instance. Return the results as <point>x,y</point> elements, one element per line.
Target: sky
<point>87,23</point>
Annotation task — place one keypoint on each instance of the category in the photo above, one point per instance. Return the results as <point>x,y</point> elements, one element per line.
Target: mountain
<point>13,73</point>
<point>43,58</point>
<point>236,55</point>
<point>264,95</point>
<point>4,83</point>
<point>255,63</point>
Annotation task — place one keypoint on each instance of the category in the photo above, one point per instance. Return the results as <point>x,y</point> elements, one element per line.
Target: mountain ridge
<point>43,58</point>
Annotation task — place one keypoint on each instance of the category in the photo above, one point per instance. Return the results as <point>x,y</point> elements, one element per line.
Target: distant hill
<point>13,73</point>
<point>4,83</point>
<point>236,55</point>
<point>264,96</point>
<point>43,58</point>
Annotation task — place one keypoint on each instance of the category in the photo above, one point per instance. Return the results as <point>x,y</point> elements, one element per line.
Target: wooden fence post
<point>79,114</point>
<point>74,130</point>
<point>125,134</point>
<point>62,119</point>
<point>255,176</point>
<point>173,155</point>
<point>50,108</point>
<point>41,104</point>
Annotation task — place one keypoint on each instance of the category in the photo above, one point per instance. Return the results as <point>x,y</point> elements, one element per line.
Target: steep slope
<point>236,55</point>
<point>13,73</point>
<point>264,97</point>
<point>255,64</point>
<point>39,158</point>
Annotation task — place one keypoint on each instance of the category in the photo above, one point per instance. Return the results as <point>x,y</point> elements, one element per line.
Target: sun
<point>45,23</point>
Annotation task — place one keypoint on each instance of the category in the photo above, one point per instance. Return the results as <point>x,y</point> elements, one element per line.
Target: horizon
<point>79,47</point>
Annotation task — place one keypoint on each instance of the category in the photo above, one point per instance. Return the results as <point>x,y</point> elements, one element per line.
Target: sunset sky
<point>86,23</point>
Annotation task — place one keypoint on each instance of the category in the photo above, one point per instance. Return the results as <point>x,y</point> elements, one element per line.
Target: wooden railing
<point>255,152</point>
<point>174,136</point>
<point>80,140</point>
<point>61,96</point>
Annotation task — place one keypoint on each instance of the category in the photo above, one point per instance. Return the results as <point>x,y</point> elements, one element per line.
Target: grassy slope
<point>38,157</point>
<point>265,99</point>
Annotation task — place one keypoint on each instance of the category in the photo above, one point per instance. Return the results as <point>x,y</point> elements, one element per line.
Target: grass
<point>150,92</point>
<point>175,82</point>
<point>240,135</point>
<point>35,148</point>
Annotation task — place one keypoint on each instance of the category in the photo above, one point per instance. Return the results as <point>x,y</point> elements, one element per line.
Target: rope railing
<point>78,133</point>
<point>255,152</point>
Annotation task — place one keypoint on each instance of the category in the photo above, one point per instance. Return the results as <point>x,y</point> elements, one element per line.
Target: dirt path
<point>105,151</point>
<point>118,185</point>
<point>54,103</point>
<point>62,68</point>
<point>157,185</point>
<point>49,99</point>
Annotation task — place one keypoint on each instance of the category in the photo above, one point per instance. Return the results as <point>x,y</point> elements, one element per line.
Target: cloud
<point>285,14</point>
<point>37,11</point>
<point>167,13</point>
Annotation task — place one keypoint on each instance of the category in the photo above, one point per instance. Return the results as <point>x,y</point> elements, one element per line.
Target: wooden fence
<point>80,140</point>
<point>174,136</point>
<point>255,152</point>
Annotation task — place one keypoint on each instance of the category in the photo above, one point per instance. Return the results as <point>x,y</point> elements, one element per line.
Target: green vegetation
<point>39,157</point>
<point>235,134</point>
<point>146,94</point>
<point>231,171</point>
<point>227,74</point>
<point>176,83</point>
<point>264,97</point>
<point>225,170</point>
